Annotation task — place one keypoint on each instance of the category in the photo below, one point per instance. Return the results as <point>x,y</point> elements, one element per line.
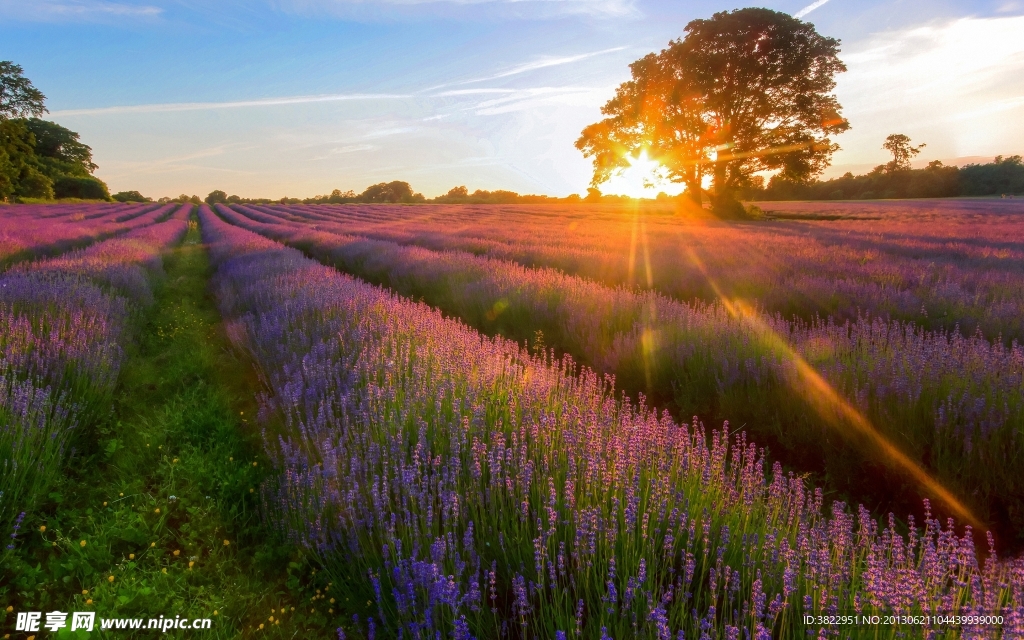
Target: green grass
<point>159,511</point>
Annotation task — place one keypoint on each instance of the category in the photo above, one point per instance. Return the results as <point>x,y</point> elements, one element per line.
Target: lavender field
<point>840,395</point>
<point>551,421</point>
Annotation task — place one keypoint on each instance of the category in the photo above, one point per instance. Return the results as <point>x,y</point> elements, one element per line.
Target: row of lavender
<point>35,231</point>
<point>64,323</point>
<point>938,264</point>
<point>474,490</point>
<point>955,405</point>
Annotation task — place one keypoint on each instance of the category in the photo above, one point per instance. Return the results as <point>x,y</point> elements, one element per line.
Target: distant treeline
<point>1004,176</point>
<point>398,192</point>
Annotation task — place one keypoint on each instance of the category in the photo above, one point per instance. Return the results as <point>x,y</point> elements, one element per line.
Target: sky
<point>272,98</point>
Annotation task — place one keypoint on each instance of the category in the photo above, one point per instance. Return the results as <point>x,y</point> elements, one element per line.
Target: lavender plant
<point>64,325</point>
<point>476,490</point>
<point>952,402</point>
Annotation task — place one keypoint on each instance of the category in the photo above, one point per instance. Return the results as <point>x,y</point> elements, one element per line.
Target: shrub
<point>84,188</point>
<point>130,196</point>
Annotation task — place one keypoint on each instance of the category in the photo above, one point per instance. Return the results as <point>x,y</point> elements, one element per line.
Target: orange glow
<point>643,178</point>
<point>829,404</point>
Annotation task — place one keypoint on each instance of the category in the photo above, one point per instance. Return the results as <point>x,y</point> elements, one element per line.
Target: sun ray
<point>829,404</point>
<point>643,178</point>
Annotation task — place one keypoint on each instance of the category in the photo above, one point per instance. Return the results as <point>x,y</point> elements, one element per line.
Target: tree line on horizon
<point>894,180</point>
<point>1003,176</point>
<point>400,192</point>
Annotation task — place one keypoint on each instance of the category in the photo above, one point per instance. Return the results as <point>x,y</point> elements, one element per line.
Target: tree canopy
<point>18,97</point>
<point>902,151</point>
<point>130,196</point>
<point>744,91</point>
<point>216,197</point>
<point>396,191</point>
<point>38,158</point>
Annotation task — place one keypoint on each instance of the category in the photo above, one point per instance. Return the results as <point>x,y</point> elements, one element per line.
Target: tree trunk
<point>694,189</point>
<point>724,203</point>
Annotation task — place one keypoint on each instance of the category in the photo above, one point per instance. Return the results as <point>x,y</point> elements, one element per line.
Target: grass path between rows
<point>159,511</point>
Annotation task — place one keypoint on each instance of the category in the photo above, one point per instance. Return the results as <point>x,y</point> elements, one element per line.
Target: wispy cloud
<point>470,92</point>
<point>338,151</point>
<point>957,85</point>
<point>509,95</point>
<point>71,10</point>
<point>536,9</point>
<point>524,99</point>
<point>809,8</point>
<point>543,62</point>
<point>203,106</point>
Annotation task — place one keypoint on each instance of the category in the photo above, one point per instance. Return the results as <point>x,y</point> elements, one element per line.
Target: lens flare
<point>643,178</point>
<point>829,404</point>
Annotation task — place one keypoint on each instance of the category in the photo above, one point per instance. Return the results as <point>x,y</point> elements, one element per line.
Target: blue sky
<point>298,97</point>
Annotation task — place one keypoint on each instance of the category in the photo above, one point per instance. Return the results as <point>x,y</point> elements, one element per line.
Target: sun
<point>643,178</point>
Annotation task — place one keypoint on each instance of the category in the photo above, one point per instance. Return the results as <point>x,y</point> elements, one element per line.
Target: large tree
<point>38,158</point>
<point>18,97</point>
<point>902,151</point>
<point>396,191</point>
<point>744,91</point>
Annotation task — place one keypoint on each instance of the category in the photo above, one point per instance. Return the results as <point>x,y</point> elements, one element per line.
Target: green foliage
<point>337,197</point>
<point>216,197</point>
<point>59,150</point>
<point>461,195</point>
<point>396,191</point>
<point>18,97</point>
<point>33,184</point>
<point>23,173</point>
<point>1003,176</point>
<point>130,196</point>
<point>36,156</point>
<point>458,192</point>
<point>399,192</point>
<point>87,188</point>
